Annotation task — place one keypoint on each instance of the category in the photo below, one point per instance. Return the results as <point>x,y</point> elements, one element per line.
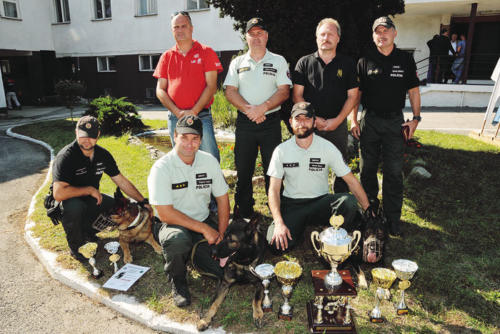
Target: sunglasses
<point>182,12</point>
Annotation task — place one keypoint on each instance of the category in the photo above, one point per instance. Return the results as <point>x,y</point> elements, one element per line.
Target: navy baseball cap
<point>255,22</point>
<point>87,126</point>
<point>383,21</point>
<point>189,124</point>
<point>302,108</point>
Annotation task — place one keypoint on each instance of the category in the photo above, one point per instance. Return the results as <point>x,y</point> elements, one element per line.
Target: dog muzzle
<point>104,223</point>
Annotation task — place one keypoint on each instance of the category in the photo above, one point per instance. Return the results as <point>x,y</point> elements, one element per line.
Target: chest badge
<point>339,73</point>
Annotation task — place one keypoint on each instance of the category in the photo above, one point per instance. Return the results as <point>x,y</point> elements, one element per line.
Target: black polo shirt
<point>71,166</point>
<point>384,80</point>
<point>326,86</point>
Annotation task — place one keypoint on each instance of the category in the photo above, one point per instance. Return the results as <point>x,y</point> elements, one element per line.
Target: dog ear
<point>118,194</point>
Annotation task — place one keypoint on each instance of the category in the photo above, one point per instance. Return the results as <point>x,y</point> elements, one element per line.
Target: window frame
<point>94,10</point>
<point>107,70</point>
<point>152,8</point>
<point>151,63</point>
<point>64,4</point>
<point>197,9</point>
<point>5,63</point>
<point>2,10</point>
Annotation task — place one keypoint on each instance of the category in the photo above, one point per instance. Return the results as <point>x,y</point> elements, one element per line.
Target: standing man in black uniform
<point>386,73</point>
<point>76,174</point>
<point>328,81</point>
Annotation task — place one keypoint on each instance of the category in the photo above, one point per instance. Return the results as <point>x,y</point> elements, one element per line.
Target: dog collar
<point>139,220</point>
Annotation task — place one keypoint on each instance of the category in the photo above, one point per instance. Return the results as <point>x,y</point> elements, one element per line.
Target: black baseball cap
<point>302,108</point>
<point>87,126</point>
<point>255,22</point>
<point>189,124</point>
<point>383,21</point>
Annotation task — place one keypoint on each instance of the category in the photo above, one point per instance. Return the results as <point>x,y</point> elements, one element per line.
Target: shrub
<point>223,113</point>
<point>116,116</point>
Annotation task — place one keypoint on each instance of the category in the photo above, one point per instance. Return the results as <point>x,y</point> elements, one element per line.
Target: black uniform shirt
<point>71,166</point>
<point>326,86</point>
<point>384,80</point>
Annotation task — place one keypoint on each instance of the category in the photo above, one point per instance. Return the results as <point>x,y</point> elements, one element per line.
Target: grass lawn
<point>452,231</point>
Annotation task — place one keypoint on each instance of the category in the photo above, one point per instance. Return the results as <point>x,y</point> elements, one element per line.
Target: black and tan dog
<point>244,243</point>
<point>134,224</point>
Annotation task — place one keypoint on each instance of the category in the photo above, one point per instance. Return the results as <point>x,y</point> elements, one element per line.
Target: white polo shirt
<point>186,187</point>
<point>258,81</point>
<point>305,172</point>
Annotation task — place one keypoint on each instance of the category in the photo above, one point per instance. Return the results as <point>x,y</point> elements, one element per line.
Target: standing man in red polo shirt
<point>187,80</point>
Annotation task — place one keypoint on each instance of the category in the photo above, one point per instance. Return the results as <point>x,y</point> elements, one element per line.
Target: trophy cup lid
<point>335,235</point>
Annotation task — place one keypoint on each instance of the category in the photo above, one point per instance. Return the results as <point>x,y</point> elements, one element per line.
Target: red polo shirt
<point>186,75</point>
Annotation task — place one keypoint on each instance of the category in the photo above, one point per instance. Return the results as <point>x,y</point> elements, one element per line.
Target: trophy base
<point>267,309</point>
<point>98,275</point>
<point>287,317</point>
<point>402,311</point>
<point>376,320</point>
<point>332,323</point>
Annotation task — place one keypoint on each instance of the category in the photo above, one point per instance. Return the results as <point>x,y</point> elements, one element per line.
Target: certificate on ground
<point>124,278</point>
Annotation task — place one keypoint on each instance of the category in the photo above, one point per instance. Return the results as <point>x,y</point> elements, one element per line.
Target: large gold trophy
<point>330,312</point>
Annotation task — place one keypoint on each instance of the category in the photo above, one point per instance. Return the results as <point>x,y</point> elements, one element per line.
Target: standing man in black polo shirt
<point>328,81</point>
<point>386,73</point>
<point>76,173</point>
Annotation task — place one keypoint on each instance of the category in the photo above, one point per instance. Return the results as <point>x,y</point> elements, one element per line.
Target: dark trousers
<point>177,243</point>
<point>381,137</point>
<point>249,138</point>
<point>338,137</point>
<point>298,213</point>
<point>78,214</point>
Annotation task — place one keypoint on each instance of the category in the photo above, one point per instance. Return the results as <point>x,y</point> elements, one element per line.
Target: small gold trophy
<point>112,248</point>
<point>405,270</point>
<point>287,273</point>
<point>383,279</point>
<point>88,251</point>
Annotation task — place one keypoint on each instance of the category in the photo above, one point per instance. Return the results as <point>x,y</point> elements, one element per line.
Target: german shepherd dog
<point>134,224</point>
<point>244,243</point>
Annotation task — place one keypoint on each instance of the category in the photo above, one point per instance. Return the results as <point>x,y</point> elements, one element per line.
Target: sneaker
<point>395,228</point>
<point>180,292</point>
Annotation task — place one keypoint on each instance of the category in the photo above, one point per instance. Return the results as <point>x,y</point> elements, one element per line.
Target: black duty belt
<point>386,113</point>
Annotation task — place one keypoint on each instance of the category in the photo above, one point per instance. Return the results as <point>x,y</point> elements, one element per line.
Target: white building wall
<point>126,34</point>
<point>32,31</point>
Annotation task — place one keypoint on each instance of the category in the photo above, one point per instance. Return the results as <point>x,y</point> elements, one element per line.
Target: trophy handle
<point>356,236</point>
<point>252,270</point>
<point>314,238</point>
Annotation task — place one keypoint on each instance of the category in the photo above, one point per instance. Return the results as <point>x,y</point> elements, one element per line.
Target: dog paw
<point>259,322</point>
<point>127,259</point>
<point>202,325</point>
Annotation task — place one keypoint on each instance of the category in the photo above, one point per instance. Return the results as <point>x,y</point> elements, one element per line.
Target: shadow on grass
<point>453,234</point>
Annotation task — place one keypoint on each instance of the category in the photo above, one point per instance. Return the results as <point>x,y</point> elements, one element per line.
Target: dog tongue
<point>371,257</point>
<point>223,261</point>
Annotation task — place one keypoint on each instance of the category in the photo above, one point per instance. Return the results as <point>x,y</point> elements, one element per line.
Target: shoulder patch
<point>182,185</point>
<point>243,69</point>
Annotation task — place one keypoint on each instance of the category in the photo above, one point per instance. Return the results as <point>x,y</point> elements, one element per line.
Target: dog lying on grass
<point>244,243</point>
<point>134,225</point>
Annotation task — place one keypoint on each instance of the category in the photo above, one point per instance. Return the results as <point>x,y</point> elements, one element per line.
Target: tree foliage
<point>292,23</point>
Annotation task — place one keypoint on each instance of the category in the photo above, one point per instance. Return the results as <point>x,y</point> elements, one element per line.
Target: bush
<point>70,92</point>
<point>116,116</point>
<point>223,113</point>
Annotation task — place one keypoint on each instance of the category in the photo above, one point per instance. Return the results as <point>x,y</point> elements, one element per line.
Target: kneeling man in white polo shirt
<point>180,185</point>
<point>302,164</point>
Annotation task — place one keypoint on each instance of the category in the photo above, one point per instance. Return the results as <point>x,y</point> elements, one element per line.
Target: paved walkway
<point>30,300</point>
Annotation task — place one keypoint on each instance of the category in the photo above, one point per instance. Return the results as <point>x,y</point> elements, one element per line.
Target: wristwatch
<point>418,118</point>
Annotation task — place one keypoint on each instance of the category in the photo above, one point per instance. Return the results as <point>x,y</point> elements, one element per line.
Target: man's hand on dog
<point>212,236</point>
<point>96,194</point>
<point>281,235</point>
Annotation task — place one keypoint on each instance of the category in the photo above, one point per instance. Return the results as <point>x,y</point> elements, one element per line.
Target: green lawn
<point>452,231</point>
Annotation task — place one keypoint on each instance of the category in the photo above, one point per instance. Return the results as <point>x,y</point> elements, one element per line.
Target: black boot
<point>395,228</point>
<point>180,291</point>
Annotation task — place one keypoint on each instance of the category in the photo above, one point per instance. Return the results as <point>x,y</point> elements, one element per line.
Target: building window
<point>146,7</point>
<point>10,9</point>
<point>106,64</point>
<point>196,4</point>
<point>5,66</point>
<point>148,62</point>
<point>150,93</point>
<point>102,9</point>
<point>62,11</point>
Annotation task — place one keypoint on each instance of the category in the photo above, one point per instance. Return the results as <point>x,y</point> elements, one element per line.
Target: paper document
<point>124,278</point>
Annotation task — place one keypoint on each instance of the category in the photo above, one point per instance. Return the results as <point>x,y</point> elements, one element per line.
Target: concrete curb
<point>122,303</point>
